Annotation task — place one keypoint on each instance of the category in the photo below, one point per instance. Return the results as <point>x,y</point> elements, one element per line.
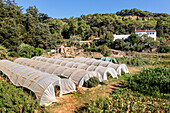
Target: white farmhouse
<point>120,37</point>
<point>151,33</point>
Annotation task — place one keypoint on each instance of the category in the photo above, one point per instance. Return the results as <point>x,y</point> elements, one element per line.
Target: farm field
<point>101,98</point>
<point>84,98</point>
<point>84,57</point>
<point>70,103</point>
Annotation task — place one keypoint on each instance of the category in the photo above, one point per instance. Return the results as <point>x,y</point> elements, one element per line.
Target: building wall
<point>120,37</point>
<point>150,34</point>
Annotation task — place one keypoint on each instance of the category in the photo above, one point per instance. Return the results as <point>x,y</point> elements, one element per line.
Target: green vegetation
<point>136,43</point>
<point>152,81</point>
<point>3,53</point>
<point>14,100</point>
<point>105,51</point>
<point>125,100</point>
<point>137,12</point>
<point>28,51</point>
<point>164,49</point>
<point>138,61</point>
<point>40,31</point>
<point>147,91</point>
<point>92,82</point>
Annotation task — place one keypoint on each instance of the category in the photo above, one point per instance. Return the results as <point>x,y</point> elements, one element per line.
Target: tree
<point>75,40</point>
<point>54,40</point>
<point>105,51</point>
<point>10,34</point>
<point>135,39</point>
<point>121,45</point>
<point>83,30</point>
<point>108,39</point>
<point>65,32</point>
<point>43,17</point>
<point>137,18</point>
<point>3,53</point>
<point>73,26</point>
<point>159,28</point>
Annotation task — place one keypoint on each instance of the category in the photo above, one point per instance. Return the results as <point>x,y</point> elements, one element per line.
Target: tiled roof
<point>145,31</point>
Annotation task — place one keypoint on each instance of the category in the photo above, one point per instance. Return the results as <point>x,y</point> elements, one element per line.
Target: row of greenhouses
<point>41,75</point>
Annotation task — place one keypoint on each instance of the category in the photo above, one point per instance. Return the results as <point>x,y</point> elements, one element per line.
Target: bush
<point>164,49</point>
<point>152,81</point>
<point>38,51</point>
<point>105,51</point>
<point>3,53</point>
<point>138,48</point>
<point>13,54</point>
<point>14,100</point>
<point>92,82</point>
<point>125,100</point>
<point>28,51</point>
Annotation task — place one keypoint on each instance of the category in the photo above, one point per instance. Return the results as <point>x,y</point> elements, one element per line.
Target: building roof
<point>145,31</point>
<point>86,41</point>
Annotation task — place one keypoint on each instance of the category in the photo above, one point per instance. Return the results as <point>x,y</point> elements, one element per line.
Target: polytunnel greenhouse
<point>78,76</point>
<point>91,61</point>
<point>99,70</point>
<point>41,83</point>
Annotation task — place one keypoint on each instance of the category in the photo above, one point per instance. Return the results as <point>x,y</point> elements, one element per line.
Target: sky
<point>68,8</point>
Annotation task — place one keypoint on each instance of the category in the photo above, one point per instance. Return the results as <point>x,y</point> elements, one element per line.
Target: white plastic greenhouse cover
<point>99,70</point>
<point>91,61</point>
<point>42,84</point>
<point>78,76</point>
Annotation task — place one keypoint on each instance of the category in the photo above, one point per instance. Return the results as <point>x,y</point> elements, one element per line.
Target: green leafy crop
<point>14,100</point>
<point>92,82</point>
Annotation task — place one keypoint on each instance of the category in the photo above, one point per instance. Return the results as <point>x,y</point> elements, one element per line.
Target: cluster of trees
<point>32,27</point>
<point>137,12</point>
<point>40,31</point>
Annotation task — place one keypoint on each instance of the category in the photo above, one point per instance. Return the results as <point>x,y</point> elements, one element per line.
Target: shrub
<point>14,100</point>
<point>3,53</point>
<point>28,51</point>
<point>13,54</point>
<point>138,48</point>
<point>92,82</point>
<point>164,49</point>
<point>105,51</point>
<point>152,81</point>
<point>38,51</point>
